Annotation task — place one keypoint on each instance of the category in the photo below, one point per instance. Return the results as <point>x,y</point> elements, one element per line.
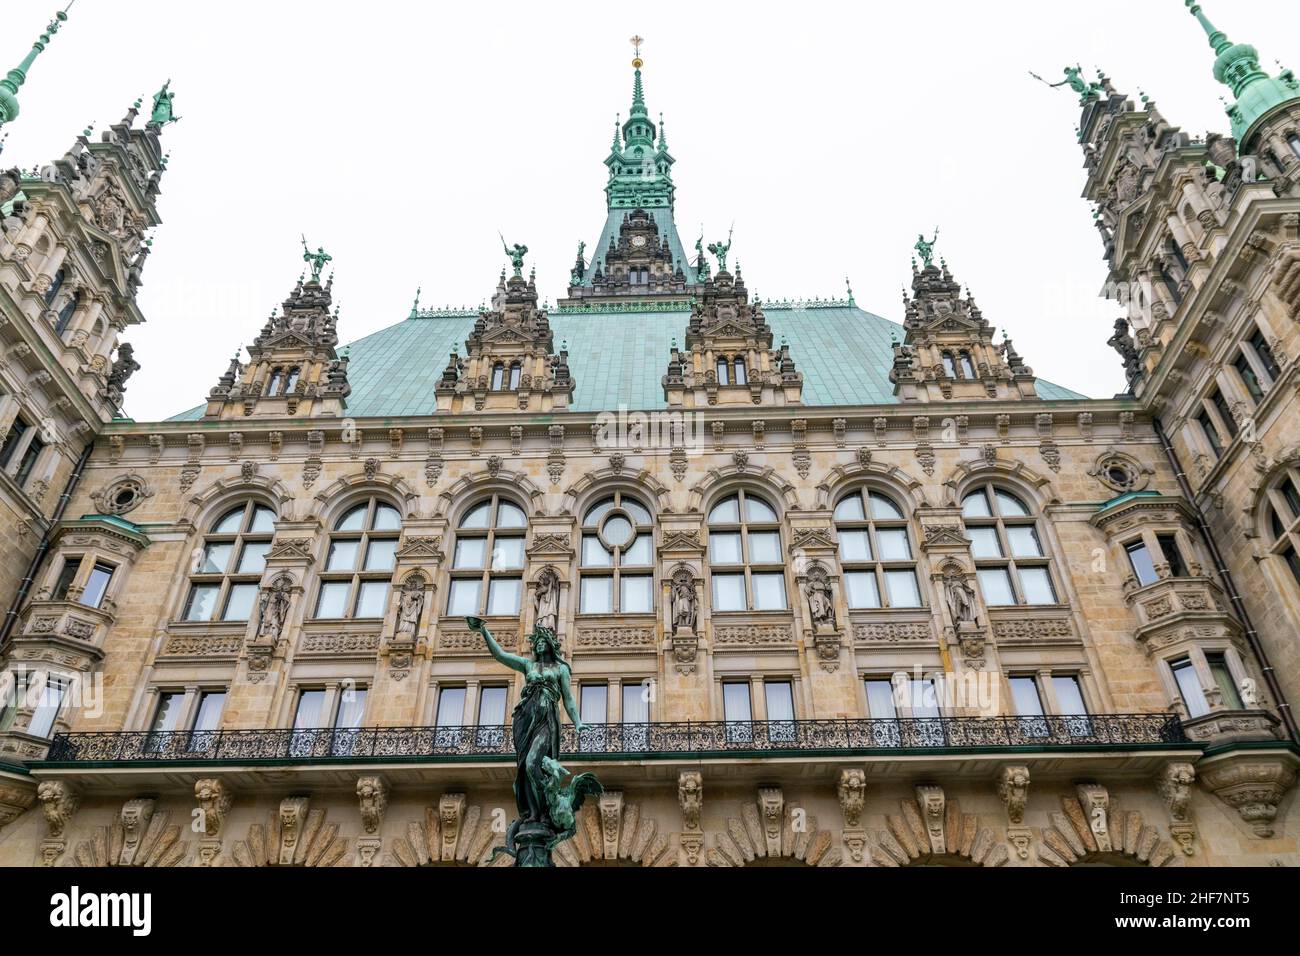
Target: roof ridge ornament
<point>16,77</point>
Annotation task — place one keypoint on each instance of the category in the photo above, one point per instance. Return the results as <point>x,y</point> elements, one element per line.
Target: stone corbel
<point>372,794</point>
<point>136,816</point>
<point>852,791</point>
<point>451,813</point>
<point>1013,790</point>
<point>1095,801</point>
<point>293,821</point>
<point>1174,784</point>
<point>931,801</point>
<point>771,809</point>
<point>611,822</point>
<point>1252,783</point>
<point>59,801</point>
<point>690,796</point>
<point>214,801</point>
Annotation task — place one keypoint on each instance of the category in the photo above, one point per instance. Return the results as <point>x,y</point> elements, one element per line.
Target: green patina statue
<point>516,255</point>
<point>547,806</point>
<point>317,259</point>
<point>720,250</point>
<point>926,249</point>
<point>162,107</point>
<point>1075,81</point>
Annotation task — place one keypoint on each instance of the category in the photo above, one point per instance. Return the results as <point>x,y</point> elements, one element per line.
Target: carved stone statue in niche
<point>410,608</point>
<point>546,600</point>
<point>684,603</point>
<point>961,599</point>
<point>272,611</point>
<point>821,599</point>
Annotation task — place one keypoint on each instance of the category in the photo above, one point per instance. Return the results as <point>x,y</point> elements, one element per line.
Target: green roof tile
<point>620,359</point>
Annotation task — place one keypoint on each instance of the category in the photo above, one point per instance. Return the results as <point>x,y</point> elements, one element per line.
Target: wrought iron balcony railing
<point>761,738</point>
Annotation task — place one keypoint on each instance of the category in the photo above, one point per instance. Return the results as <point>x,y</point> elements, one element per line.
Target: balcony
<point>771,739</point>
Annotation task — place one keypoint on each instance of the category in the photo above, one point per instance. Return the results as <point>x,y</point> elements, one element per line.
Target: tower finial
<point>636,42</point>
<point>15,78</point>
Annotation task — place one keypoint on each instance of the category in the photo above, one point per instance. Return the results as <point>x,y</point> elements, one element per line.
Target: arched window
<point>227,569</point>
<point>1283,509</point>
<point>724,372</point>
<point>742,374</point>
<point>291,380</point>
<point>876,552</point>
<point>745,560</point>
<point>66,313</point>
<point>617,557</point>
<point>514,375</point>
<point>498,376</point>
<point>488,563</point>
<point>359,563</point>
<point>949,366</point>
<point>1009,557</point>
<point>967,367</point>
<point>277,380</point>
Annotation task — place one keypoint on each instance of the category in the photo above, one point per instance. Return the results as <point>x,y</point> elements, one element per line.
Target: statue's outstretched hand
<point>475,624</point>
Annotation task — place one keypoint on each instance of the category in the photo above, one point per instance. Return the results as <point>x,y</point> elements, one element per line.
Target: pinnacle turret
<point>16,77</point>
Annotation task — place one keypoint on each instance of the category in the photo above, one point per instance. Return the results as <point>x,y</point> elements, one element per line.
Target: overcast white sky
<point>402,136</point>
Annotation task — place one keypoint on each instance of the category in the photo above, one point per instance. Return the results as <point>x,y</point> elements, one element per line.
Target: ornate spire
<point>10,85</point>
<point>1237,67</point>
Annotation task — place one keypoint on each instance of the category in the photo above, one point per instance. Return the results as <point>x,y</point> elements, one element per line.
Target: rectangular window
<point>508,554</point>
<point>1139,556</point>
<point>594,554</point>
<point>597,595</point>
<point>737,713</point>
<point>764,547</point>
<point>492,707</point>
<point>463,597</point>
<point>984,543</point>
<point>728,592</point>
<point>47,710</point>
<point>310,713</point>
<point>352,706</point>
<point>593,703</point>
<point>202,602</point>
<point>996,585</point>
<point>1173,555</point>
<point>1038,586</point>
<point>1024,694</point>
<point>724,547</point>
<point>640,553</point>
<point>333,600</point>
<point>215,559</point>
<point>1264,352</point>
<point>252,560</point>
<point>1223,678</point>
<point>925,699</point>
<point>855,546</point>
<point>893,545</point>
<point>239,602</point>
<point>503,596</point>
<point>1024,542</point>
<point>470,552</point>
<point>211,705</point>
<point>1225,414</point>
<point>451,707</point>
<point>636,594</point>
<point>863,592</point>
<point>902,589</point>
<point>1246,372</point>
<point>769,592</point>
<point>1210,432</point>
<point>25,467</point>
<point>880,699</point>
<point>11,701</point>
<point>1069,695</point>
<point>1189,686</point>
<point>16,432</point>
<point>67,575</point>
<point>167,715</point>
<point>779,698</point>
<point>636,703</point>
<point>381,555</point>
<point>372,598</point>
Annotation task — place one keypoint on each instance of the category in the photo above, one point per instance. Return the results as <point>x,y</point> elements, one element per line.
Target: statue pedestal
<point>531,841</point>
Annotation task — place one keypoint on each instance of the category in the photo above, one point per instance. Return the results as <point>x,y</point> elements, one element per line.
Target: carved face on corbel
<point>136,815</point>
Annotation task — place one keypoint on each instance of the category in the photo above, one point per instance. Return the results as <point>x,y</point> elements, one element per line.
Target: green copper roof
<point>618,359</point>
<point>1237,66</point>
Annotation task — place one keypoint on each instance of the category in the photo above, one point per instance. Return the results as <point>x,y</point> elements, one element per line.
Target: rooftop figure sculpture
<point>926,249</point>
<point>317,259</point>
<point>1075,81</point>
<point>516,255</point>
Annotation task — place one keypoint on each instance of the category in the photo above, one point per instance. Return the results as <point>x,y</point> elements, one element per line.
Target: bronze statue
<point>926,249</point>
<point>544,804</point>
<point>162,107</point>
<point>720,250</point>
<point>316,259</point>
<point>1075,81</point>
<point>516,255</point>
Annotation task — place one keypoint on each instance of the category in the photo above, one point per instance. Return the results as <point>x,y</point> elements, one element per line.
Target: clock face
<point>638,241</point>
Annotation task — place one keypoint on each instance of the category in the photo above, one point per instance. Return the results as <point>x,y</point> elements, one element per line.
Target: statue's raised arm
<point>571,705</point>
<point>513,661</point>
